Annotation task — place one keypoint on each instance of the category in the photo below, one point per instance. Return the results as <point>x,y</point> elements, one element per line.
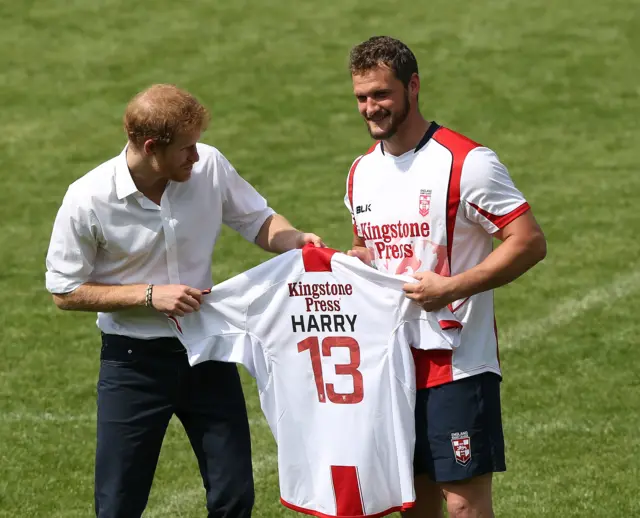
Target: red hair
<point>161,112</point>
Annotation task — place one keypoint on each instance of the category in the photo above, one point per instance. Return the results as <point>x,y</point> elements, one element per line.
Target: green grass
<point>551,86</point>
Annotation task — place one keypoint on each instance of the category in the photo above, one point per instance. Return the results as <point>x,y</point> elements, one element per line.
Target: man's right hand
<point>362,253</point>
<point>176,299</point>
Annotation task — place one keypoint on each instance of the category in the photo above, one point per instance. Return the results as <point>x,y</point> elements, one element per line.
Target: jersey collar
<point>433,127</point>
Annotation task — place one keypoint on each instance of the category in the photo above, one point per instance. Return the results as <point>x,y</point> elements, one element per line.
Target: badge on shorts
<point>425,202</point>
<point>461,443</point>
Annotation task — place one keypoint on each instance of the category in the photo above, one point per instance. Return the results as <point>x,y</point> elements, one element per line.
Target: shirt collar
<point>124,182</point>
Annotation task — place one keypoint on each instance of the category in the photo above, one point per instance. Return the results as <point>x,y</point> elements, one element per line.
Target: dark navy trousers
<point>142,384</point>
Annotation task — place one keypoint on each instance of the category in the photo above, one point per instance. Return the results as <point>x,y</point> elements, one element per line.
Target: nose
<point>371,107</point>
<point>194,155</point>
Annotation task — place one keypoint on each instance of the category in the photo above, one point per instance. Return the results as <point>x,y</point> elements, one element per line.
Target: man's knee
<point>460,508</point>
<point>470,498</point>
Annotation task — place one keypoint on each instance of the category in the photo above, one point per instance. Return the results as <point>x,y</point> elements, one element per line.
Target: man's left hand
<point>433,292</point>
<point>306,238</point>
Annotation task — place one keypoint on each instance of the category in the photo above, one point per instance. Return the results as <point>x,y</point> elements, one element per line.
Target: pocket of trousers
<point>117,354</point>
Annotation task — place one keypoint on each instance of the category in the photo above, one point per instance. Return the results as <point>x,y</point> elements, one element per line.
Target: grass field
<point>551,86</point>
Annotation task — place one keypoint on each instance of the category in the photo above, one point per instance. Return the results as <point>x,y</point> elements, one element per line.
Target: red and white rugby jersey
<point>327,339</point>
<point>435,208</point>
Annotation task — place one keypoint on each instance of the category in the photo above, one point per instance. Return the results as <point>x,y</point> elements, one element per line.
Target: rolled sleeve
<point>72,249</point>
<point>244,209</point>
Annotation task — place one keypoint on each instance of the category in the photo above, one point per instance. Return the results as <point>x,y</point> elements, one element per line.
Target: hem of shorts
<point>443,380</point>
<point>404,507</point>
<point>474,475</point>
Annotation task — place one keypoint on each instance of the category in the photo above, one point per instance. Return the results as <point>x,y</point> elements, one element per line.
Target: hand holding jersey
<point>175,299</point>
<point>308,238</point>
<point>363,254</point>
<point>432,291</point>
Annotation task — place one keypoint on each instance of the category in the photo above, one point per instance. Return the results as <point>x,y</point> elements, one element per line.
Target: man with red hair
<point>133,241</point>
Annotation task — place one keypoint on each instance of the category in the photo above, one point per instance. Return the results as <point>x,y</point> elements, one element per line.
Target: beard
<point>396,120</point>
<point>181,174</point>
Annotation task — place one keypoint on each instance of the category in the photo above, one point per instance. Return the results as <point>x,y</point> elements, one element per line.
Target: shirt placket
<point>171,242</point>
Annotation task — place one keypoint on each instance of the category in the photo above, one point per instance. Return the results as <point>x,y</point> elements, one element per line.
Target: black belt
<point>155,346</point>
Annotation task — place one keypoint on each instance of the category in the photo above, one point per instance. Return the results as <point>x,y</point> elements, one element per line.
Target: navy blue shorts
<point>459,429</point>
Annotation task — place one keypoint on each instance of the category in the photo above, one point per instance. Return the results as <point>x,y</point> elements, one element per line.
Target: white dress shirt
<point>107,232</point>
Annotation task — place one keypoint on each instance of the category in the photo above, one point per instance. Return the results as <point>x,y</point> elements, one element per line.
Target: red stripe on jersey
<point>404,507</point>
<point>453,310</point>
<point>346,488</point>
<point>317,259</point>
<point>352,172</point>
<point>450,324</point>
<point>433,367</point>
<point>175,321</point>
<point>503,221</point>
<point>459,146</point>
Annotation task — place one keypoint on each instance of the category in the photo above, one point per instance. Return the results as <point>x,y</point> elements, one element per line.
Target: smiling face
<point>383,100</point>
<point>163,124</point>
<point>174,161</point>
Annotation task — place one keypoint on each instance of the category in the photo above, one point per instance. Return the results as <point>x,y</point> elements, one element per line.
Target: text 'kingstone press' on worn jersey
<point>435,208</point>
<point>328,340</point>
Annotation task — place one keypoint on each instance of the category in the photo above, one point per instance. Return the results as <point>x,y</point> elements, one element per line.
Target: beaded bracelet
<point>148,296</point>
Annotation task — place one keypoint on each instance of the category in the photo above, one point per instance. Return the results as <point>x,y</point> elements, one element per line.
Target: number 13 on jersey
<point>312,345</point>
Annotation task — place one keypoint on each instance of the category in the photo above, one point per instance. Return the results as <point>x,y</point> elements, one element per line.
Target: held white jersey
<point>328,340</point>
<point>435,208</point>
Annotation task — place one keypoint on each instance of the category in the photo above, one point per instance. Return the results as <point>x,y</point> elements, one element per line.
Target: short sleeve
<point>244,209</point>
<point>73,246</point>
<point>489,195</point>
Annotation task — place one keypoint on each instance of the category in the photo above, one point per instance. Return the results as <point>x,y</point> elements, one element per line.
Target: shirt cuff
<point>250,232</point>
<point>57,283</point>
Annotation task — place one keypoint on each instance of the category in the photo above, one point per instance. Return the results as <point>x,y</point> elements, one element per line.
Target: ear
<point>414,84</point>
<point>149,147</point>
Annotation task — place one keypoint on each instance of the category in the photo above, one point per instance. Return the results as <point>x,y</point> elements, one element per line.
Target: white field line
<point>570,309</point>
<point>561,424</point>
